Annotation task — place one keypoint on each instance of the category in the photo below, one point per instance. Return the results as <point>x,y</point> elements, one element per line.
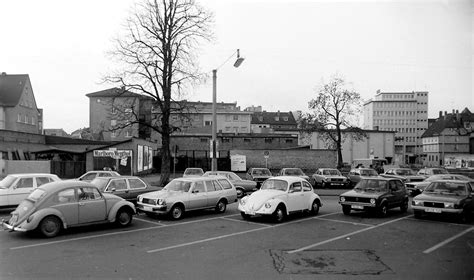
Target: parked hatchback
<point>60,205</point>
<point>186,194</point>
<point>16,187</point>
<point>328,177</point>
<point>127,187</point>
<point>375,195</point>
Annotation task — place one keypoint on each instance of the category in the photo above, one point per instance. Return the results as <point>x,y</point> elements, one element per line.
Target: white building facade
<point>406,114</point>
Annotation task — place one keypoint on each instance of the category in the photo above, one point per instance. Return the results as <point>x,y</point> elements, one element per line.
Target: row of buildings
<point>396,125</point>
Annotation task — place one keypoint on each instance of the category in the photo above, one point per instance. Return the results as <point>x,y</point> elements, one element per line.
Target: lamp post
<point>237,63</point>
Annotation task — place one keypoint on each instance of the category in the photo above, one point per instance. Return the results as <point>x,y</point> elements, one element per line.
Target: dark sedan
<point>127,187</point>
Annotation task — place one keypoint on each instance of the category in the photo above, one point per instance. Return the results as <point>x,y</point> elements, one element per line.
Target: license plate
<point>147,208</point>
<point>357,207</point>
<point>433,210</point>
<point>250,213</point>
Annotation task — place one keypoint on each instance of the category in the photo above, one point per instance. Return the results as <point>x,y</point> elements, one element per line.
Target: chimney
<point>445,114</point>
<point>440,114</point>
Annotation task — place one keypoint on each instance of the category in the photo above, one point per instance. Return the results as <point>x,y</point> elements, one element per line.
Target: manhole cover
<point>351,262</point>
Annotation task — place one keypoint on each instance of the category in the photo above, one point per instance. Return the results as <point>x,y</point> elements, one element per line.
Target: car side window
<point>199,187</point>
<point>400,185</point>
<point>118,185</point>
<point>306,187</point>
<point>225,184</point>
<point>393,186</point>
<point>210,186</point>
<point>89,176</point>
<point>42,180</point>
<point>295,187</point>
<point>65,196</point>
<point>89,194</point>
<point>136,184</point>
<point>25,183</point>
<point>104,175</point>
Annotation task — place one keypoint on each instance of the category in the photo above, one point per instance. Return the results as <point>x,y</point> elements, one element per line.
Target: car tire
<point>240,193</point>
<point>315,207</point>
<point>176,212</point>
<point>346,209</point>
<point>50,226</point>
<point>245,216</point>
<point>221,206</point>
<point>279,214</point>
<point>404,206</point>
<point>382,210</point>
<point>123,218</point>
<point>418,214</point>
<point>463,217</point>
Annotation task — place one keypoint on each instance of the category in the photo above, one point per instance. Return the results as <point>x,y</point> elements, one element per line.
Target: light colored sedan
<point>242,186</point>
<point>280,196</point>
<point>91,175</point>
<point>16,187</point>
<point>328,177</point>
<point>415,188</point>
<point>186,194</point>
<point>293,172</point>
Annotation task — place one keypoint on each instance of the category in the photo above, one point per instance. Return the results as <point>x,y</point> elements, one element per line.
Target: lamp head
<point>238,62</point>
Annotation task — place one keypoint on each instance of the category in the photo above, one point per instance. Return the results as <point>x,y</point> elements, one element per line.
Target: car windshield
<point>7,182</point>
<point>438,177</point>
<point>36,195</point>
<point>333,172</point>
<point>368,173</point>
<point>446,188</point>
<point>193,171</point>
<point>372,185</point>
<point>294,171</point>
<point>274,184</point>
<point>404,172</point>
<point>261,172</point>
<point>178,186</point>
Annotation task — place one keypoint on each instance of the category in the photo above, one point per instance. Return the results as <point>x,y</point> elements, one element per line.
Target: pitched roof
<point>11,88</point>
<point>449,121</point>
<point>271,118</point>
<point>114,92</point>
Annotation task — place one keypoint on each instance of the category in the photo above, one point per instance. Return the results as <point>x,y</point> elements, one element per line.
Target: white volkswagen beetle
<point>280,196</point>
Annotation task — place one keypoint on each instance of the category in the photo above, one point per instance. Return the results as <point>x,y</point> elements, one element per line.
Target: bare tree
<point>335,109</point>
<point>159,59</point>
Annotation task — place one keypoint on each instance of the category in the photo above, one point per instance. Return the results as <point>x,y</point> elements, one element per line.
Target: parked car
<point>91,175</point>
<point>64,204</point>
<point>127,187</point>
<point>429,171</point>
<point>355,175</point>
<point>404,174</point>
<point>280,196</point>
<point>445,197</point>
<point>293,172</point>
<point>415,188</point>
<point>258,175</point>
<point>375,195</point>
<point>187,194</point>
<point>16,187</point>
<point>328,177</point>
<point>242,186</point>
<point>193,172</point>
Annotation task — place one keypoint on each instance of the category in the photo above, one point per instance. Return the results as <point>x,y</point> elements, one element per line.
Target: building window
<point>288,140</point>
<point>247,140</point>
<point>33,120</point>
<point>19,118</point>
<point>268,140</point>
<point>225,140</point>
<point>236,117</point>
<point>203,140</point>
<point>207,123</point>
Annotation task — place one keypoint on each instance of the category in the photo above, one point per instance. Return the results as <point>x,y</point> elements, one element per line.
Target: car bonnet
<point>258,198</point>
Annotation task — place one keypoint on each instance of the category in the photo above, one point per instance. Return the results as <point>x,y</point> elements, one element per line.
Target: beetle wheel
<point>123,218</point>
<point>50,226</point>
<point>315,207</point>
<point>279,214</point>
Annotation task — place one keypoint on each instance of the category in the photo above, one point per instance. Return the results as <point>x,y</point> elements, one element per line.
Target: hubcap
<point>177,212</point>
<point>50,226</point>
<point>123,218</point>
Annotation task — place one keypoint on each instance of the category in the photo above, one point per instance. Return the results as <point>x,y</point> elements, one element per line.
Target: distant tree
<point>334,109</point>
<point>159,59</point>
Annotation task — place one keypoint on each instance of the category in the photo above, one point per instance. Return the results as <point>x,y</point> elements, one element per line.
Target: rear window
<point>225,184</point>
<point>36,195</point>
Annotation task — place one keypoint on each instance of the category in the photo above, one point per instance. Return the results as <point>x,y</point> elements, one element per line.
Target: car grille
<point>149,201</point>
<point>434,204</point>
<point>358,199</point>
<point>336,180</point>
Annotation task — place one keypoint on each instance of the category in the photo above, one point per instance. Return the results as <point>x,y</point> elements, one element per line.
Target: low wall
<point>307,160</point>
<point>24,166</point>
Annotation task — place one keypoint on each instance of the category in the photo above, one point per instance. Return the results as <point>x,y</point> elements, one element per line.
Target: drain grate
<point>350,262</point>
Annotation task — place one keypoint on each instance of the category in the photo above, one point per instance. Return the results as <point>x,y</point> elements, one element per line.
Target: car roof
<point>381,179</point>
<point>118,177</point>
<point>196,179</point>
<point>31,174</point>
<point>289,179</point>
<point>225,172</point>
<point>54,186</point>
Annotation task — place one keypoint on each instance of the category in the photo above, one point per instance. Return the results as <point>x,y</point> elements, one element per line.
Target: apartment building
<point>405,113</point>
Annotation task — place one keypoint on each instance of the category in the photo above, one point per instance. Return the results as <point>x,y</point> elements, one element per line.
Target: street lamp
<point>237,63</point>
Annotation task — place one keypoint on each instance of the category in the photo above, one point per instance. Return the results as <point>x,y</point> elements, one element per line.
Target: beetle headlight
<point>448,205</point>
<point>372,201</point>
<point>342,199</point>
<point>268,205</point>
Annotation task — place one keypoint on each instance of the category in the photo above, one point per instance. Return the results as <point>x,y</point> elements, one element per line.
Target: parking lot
<point>205,245</point>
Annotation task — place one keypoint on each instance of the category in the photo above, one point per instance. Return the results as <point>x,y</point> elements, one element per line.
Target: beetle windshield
<point>372,185</point>
<point>446,188</point>
<point>294,172</point>
<point>178,186</point>
<point>7,182</point>
<point>274,185</point>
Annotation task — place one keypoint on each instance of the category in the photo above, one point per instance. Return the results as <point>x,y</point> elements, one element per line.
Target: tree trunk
<point>165,159</point>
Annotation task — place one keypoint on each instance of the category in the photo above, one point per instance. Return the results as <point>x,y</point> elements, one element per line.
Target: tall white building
<point>406,113</point>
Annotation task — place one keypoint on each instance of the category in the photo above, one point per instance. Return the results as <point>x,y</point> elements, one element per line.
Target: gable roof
<point>11,88</point>
<point>449,121</point>
<point>269,118</point>
<point>114,92</point>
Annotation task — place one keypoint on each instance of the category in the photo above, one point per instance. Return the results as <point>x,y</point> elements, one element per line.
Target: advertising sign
<point>238,163</point>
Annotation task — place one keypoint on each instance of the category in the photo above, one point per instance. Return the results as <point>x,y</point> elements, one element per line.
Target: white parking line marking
<point>347,222</point>
<point>233,234</point>
<point>441,244</point>
<point>344,236</point>
<point>246,222</point>
<point>438,222</point>
<point>151,222</point>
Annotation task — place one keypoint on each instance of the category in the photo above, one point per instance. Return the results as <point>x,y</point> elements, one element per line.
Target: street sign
<point>266,154</point>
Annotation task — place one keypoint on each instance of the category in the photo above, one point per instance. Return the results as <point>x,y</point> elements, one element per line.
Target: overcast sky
<point>290,47</point>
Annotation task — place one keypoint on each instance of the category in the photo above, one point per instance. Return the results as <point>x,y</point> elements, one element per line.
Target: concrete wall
<point>308,160</point>
<point>24,166</point>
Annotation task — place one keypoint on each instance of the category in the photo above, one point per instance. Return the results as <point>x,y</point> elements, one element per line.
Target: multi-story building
<point>451,136</point>
<point>405,113</point>
<point>18,108</point>
<point>270,122</point>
